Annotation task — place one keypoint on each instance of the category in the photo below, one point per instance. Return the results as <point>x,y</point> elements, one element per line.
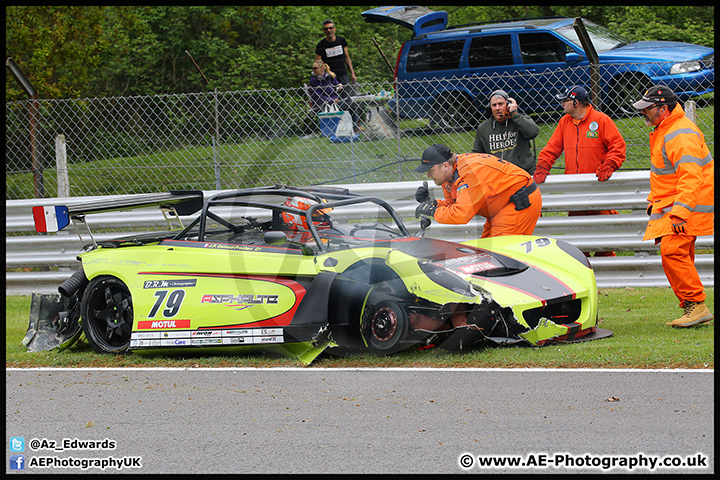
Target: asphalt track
<point>311,420</point>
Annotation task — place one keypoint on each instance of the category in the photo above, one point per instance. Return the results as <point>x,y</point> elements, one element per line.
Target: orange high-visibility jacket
<point>595,140</point>
<point>682,181</point>
<point>482,185</point>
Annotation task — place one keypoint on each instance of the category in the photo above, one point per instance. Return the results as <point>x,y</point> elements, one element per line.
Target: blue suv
<point>446,73</point>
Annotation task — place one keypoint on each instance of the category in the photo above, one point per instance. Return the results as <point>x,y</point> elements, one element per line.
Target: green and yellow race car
<point>301,271</point>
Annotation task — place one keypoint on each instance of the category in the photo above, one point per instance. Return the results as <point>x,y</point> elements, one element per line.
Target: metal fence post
<point>216,142</point>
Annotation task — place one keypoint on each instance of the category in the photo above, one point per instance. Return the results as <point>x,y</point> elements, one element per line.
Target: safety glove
<point>422,193</point>
<point>426,208</point>
<point>678,225</point>
<point>604,172</point>
<point>540,175</point>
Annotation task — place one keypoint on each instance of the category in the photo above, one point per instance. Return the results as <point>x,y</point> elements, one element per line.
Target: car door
<point>547,66</point>
<point>490,66</point>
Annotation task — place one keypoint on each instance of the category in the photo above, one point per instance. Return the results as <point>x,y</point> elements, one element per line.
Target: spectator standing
<point>508,133</point>
<point>591,142</point>
<point>479,184</point>
<point>333,50</point>
<point>682,192</point>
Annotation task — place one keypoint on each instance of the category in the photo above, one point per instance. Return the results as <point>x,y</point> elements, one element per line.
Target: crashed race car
<point>293,271</point>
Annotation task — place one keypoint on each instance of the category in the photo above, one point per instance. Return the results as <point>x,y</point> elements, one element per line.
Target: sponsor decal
<point>169,283</point>
<point>476,267</point>
<point>162,324</point>
<point>206,341</point>
<point>237,341</point>
<point>175,334</point>
<point>228,246</point>
<point>144,343</point>
<point>468,259</point>
<point>198,338</point>
<point>246,332</point>
<point>141,335</point>
<point>206,333</point>
<point>270,331</point>
<point>175,342</point>
<point>268,339</point>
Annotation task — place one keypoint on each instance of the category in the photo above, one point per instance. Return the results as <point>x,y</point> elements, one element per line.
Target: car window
<point>541,48</point>
<point>429,57</point>
<point>602,38</point>
<point>490,51</point>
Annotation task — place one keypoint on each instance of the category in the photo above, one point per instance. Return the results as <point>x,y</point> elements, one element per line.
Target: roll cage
<point>326,197</point>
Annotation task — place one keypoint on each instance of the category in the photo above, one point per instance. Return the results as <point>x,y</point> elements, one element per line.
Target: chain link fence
<point>224,140</point>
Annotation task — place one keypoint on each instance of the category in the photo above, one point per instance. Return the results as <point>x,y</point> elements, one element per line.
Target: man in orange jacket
<point>591,141</point>
<point>479,184</point>
<point>682,192</point>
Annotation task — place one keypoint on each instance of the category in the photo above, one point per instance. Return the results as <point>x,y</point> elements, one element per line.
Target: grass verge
<point>637,317</point>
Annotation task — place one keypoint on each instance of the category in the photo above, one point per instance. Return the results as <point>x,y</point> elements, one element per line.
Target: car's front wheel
<point>107,315</point>
<point>386,324</point>
<point>626,90</point>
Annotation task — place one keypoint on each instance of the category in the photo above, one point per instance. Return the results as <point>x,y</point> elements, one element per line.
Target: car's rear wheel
<point>386,324</point>
<point>107,315</point>
<point>455,110</point>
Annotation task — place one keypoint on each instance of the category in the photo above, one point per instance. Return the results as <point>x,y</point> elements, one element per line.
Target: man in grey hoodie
<point>508,133</point>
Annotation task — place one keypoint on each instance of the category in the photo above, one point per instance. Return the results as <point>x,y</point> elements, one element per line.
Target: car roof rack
<point>489,22</point>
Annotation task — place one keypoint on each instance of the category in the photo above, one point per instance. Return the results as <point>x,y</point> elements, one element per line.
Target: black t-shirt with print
<point>333,53</point>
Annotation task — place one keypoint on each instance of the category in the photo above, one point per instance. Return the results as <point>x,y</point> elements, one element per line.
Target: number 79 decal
<point>540,242</point>
<point>173,304</point>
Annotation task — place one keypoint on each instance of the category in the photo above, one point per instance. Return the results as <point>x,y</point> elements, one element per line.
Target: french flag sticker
<point>50,219</point>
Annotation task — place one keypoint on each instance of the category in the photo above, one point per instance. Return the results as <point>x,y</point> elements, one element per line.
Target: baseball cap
<point>433,155</point>
<point>656,95</point>
<point>573,93</point>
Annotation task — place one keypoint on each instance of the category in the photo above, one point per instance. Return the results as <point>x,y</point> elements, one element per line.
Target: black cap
<point>433,155</point>
<point>573,93</point>
<point>656,95</point>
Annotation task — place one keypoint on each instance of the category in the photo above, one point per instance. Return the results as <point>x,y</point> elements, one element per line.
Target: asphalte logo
<point>241,302</point>
<point>244,299</point>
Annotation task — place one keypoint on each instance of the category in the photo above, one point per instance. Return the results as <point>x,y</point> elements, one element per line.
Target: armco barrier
<point>625,191</point>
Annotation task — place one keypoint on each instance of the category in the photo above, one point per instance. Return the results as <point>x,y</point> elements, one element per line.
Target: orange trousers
<point>678,261</point>
<point>509,221</point>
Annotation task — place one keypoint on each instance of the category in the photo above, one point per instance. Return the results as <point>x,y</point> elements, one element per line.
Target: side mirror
<point>275,238</point>
<point>279,238</point>
<point>573,57</point>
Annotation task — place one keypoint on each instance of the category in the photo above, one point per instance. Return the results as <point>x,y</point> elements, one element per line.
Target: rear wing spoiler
<point>54,218</point>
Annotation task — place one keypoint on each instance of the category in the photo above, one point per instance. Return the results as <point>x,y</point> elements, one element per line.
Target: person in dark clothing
<point>508,133</point>
<point>333,50</point>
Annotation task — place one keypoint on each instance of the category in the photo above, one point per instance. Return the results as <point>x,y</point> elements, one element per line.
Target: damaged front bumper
<point>54,322</point>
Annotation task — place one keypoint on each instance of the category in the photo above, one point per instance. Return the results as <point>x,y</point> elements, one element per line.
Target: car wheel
<point>456,111</point>
<point>386,325</point>
<point>626,90</point>
<point>107,315</point>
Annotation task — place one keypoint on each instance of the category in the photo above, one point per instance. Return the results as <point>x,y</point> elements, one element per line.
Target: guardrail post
<point>63,182</point>
<point>690,110</point>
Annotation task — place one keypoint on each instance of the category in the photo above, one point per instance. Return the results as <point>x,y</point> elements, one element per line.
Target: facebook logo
<point>17,444</point>
<point>17,462</point>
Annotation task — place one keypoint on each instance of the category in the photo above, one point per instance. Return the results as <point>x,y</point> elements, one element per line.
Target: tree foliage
<point>94,51</point>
